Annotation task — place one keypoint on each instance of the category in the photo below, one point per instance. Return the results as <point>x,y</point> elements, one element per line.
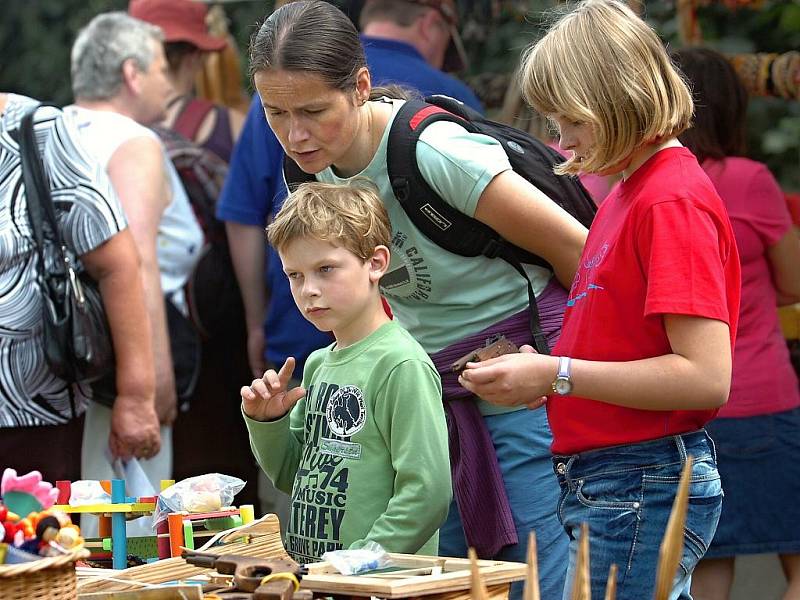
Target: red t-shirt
<point>661,243</point>
<point>763,380</point>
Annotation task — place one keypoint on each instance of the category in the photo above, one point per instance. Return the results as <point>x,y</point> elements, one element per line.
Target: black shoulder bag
<point>77,341</point>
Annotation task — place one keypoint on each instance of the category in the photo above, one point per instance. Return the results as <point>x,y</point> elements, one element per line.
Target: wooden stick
<point>477,589</point>
<point>531,591</point>
<point>582,586</point>
<point>669,555</point>
<point>611,584</point>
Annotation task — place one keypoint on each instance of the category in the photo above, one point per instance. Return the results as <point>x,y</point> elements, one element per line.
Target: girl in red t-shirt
<point>644,359</point>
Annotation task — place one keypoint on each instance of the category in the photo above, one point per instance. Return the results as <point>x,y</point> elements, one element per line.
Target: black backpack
<point>445,225</point>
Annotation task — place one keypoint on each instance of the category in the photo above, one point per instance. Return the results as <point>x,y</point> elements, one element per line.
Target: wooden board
<point>455,577</point>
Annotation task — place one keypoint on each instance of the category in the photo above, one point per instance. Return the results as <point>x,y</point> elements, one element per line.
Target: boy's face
<point>334,288</point>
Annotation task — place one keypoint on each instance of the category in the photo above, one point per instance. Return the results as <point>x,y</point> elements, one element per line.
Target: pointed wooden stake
<point>477,588</point>
<point>531,591</point>
<point>669,554</point>
<point>611,584</point>
<point>582,586</point>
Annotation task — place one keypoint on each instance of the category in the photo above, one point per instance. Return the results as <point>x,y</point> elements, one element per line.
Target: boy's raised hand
<point>267,398</point>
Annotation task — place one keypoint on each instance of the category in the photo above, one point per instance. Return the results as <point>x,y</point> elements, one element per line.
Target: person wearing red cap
<point>186,40</point>
<point>215,128</point>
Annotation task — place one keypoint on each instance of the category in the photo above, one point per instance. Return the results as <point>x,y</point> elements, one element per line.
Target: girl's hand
<point>268,399</point>
<point>512,379</point>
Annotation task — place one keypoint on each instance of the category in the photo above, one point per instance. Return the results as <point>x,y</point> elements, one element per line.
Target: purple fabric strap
<point>477,480</point>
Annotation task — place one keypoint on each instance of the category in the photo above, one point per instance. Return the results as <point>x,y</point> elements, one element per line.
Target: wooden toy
<point>582,586</point>
<point>611,584</point>
<point>261,538</point>
<point>428,576</point>
<point>177,531</point>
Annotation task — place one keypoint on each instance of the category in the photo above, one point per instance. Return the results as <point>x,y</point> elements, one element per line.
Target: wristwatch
<point>562,384</point>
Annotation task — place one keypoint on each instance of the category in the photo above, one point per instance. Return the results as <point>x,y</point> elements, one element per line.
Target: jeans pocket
<point>611,493</point>
<point>611,505</point>
<point>702,516</point>
<point>703,510</point>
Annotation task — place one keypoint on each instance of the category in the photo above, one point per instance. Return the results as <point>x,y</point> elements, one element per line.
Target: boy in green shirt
<point>362,445</point>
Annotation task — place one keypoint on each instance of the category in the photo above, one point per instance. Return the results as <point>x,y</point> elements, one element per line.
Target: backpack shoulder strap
<point>443,224</point>
<point>293,175</point>
<point>438,221</point>
<point>191,116</point>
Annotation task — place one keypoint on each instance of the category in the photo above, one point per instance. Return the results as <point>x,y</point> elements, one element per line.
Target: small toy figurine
<point>25,522</point>
<point>69,537</point>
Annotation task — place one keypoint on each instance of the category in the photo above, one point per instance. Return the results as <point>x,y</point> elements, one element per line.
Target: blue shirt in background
<point>391,61</point>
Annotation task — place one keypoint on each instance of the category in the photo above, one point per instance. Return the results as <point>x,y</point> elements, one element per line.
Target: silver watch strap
<point>564,363</point>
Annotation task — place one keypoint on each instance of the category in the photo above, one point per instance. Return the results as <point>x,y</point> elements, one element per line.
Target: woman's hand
<point>134,428</point>
<point>267,398</point>
<point>512,379</point>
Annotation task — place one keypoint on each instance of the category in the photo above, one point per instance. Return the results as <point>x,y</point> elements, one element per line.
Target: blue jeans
<point>625,494</point>
<point>522,443</point>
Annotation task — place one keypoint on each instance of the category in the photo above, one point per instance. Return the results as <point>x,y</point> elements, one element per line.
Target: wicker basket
<point>44,579</point>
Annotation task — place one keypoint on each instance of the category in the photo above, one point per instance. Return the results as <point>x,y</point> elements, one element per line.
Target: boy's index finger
<point>285,374</point>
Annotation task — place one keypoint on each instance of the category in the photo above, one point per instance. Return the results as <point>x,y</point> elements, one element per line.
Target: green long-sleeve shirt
<point>364,453</point>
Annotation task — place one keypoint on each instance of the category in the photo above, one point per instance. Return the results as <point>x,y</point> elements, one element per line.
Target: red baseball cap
<point>180,20</point>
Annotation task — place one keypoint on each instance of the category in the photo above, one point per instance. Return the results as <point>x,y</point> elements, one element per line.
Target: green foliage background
<point>35,37</point>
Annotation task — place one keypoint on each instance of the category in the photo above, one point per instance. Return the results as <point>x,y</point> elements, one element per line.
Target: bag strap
<point>441,223</point>
<point>293,175</point>
<point>40,203</point>
<point>191,116</point>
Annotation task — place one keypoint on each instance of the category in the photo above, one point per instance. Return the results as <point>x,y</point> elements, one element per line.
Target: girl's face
<point>315,123</point>
<point>574,136</point>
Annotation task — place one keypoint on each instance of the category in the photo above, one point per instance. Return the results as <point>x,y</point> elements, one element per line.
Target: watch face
<point>562,386</point>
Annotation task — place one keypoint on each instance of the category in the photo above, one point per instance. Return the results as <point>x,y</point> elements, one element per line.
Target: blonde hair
<point>602,65</point>
<point>350,216</point>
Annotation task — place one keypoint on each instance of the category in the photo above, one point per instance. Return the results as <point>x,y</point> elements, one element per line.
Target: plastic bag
<point>87,491</point>
<point>369,557</point>
<point>204,493</point>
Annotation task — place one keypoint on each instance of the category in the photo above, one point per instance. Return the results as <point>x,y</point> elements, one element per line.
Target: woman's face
<point>315,123</point>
